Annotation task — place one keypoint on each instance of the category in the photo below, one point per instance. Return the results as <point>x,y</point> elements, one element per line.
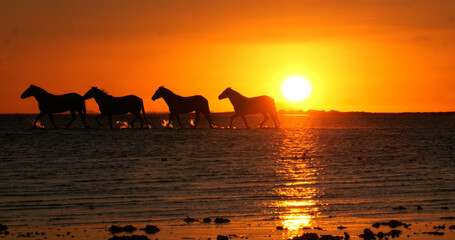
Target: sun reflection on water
<point>297,216</point>
<point>297,222</point>
<point>298,193</point>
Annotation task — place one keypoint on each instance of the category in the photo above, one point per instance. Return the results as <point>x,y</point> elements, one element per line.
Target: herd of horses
<point>109,105</point>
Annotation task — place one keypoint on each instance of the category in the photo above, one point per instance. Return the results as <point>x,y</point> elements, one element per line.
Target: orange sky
<point>379,56</point>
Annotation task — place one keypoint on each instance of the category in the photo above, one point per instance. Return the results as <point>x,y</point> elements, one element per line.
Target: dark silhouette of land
<point>244,105</point>
<point>49,103</point>
<point>182,105</point>
<point>110,105</point>
<point>335,112</point>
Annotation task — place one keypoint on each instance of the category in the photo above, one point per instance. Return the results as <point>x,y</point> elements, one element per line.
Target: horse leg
<point>98,120</point>
<point>197,119</point>
<point>134,120</point>
<point>73,117</point>
<point>52,119</point>
<point>232,118</point>
<point>171,116</point>
<point>265,119</point>
<point>140,118</point>
<point>136,117</point>
<point>209,119</point>
<point>110,121</point>
<point>82,116</point>
<point>178,120</point>
<point>275,119</point>
<point>36,119</point>
<point>244,119</point>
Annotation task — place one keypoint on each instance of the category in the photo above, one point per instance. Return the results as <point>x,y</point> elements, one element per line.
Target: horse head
<point>160,92</point>
<point>30,91</point>
<point>226,93</point>
<point>91,93</point>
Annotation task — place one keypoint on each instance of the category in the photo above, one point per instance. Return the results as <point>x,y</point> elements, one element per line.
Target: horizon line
<point>310,112</point>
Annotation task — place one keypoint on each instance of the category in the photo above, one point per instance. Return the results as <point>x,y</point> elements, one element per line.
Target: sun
<point>296,88</point>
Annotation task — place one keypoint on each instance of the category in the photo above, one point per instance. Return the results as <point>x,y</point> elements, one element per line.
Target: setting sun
<point>296,88</point>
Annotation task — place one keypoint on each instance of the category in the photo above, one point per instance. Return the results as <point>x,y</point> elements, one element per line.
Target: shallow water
<point>314,171</point>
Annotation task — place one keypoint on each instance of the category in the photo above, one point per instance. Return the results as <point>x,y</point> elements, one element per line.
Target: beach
<point>326,174</point>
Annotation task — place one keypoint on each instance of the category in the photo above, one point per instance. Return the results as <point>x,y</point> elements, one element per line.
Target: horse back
<point>262,99</point>
<point>189,104</point>
<point>198,99</point>
<point>130,99</point>
<point>62,103</point>
<point>256,105</point>
<point>121,105</point>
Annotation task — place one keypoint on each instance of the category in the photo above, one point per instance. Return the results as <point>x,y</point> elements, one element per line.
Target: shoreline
<point>257,230</point>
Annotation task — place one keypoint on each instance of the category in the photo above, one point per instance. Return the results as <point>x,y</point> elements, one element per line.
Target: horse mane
<point>164,88</point>
<point>38,88</point>
<point>102,91</point>
<point>235,91</point>
<point>168,91</point>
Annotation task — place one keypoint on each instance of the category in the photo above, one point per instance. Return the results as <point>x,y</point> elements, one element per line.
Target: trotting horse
<point>244,105</point>
<point>180,105</point>
<point>50,103</point>
<point>110,105</point>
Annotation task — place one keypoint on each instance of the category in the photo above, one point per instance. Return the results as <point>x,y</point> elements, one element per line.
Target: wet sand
<point>443,229</point>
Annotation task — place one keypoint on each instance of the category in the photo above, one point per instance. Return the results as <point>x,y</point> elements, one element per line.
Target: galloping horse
<point>110,105</point>
<point>50,103</point>
<point>179,105</point>
<point>244,105</point>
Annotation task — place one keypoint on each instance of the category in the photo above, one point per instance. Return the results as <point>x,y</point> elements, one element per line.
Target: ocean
<point>313,174</point>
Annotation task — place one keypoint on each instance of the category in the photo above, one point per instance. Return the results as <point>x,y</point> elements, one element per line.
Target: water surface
<point>314,171</point>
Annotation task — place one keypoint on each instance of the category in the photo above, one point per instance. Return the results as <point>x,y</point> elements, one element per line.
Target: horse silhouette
<point>49,103</point>
<point>180,105</point>
<point>244,105</point>
<point>110,105</point>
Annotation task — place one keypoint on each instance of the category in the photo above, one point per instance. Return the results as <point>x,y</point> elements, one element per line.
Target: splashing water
<point>38,125</point>
<point>122,125</point>
<point>164,123</point>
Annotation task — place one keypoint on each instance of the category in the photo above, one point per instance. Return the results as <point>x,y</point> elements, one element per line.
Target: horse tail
<point>143,113</point>
<point>84,109</point>
<point>84,113</point>
<point>274,113</point>
<point>207,115</point>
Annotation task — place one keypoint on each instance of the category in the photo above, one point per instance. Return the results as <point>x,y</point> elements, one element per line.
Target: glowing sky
<point>376,55</point>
